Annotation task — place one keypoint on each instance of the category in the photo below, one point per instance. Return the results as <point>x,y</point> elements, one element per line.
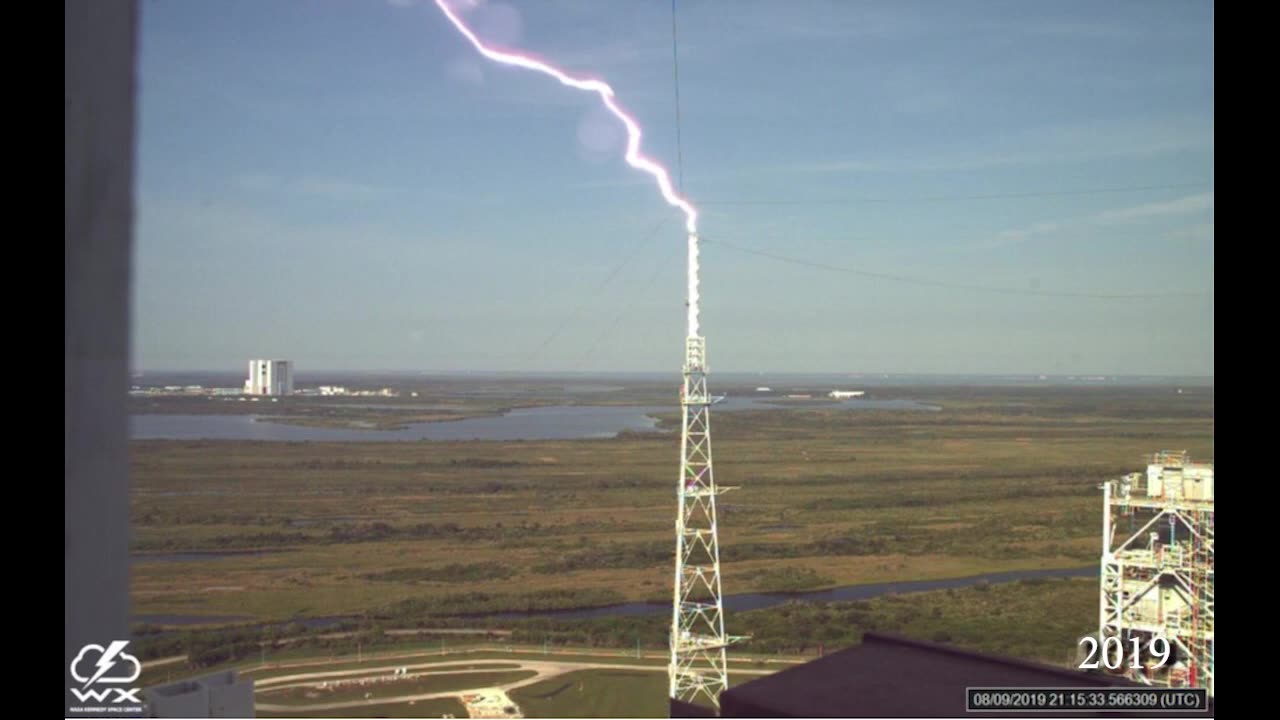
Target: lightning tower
<point>699,664</point>
<point>699,667</point>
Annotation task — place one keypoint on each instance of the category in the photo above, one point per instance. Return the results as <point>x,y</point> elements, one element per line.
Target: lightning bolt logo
<point>108,660</point>
<point>109,657</point>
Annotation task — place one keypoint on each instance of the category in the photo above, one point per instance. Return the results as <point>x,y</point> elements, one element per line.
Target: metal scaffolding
<point>698,657</point>
<point>1157,573</point>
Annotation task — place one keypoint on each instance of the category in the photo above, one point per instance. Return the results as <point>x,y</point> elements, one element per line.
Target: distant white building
<point>269,377</point>
<point>845,394</point>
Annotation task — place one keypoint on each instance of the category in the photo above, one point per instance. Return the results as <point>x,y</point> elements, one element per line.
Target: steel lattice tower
<point>698,662</point>
<point>698,641</point>
<point>1157,577</point>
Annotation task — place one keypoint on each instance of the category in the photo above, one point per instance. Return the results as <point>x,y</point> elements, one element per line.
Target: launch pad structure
<point>1157,573</point>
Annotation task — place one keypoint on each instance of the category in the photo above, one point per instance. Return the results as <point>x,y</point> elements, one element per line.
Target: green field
<point>372,665</point>
<point>421,709</point>
<point>373,691</point>
<point>1033,619</point>
<point>596,693</point>
<point>425,534</point>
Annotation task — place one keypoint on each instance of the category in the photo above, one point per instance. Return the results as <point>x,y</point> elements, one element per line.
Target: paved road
<point>543,669</point>
<point>375,657</point>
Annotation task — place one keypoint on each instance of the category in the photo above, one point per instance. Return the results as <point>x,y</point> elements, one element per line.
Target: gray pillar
<point>100,42</point>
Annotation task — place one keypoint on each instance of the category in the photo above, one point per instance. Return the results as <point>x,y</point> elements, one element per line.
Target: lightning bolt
<point>107,661</point>
<point>634,157</point>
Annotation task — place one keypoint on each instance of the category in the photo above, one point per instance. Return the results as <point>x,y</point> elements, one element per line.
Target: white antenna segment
<point>693,285</point>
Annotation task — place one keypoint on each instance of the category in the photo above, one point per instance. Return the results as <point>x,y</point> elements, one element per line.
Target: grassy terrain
<point>375,690</point>
<point>369,413</point>
<point>1038,620</point>
<point>420,399</point>
<point>420,709</point>
<point>371,665</point>
<point>596,693</point>
<point>407,534</point>
<point>1032,619</point>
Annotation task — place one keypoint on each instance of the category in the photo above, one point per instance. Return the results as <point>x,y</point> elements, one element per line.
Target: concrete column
<point>100,39</point>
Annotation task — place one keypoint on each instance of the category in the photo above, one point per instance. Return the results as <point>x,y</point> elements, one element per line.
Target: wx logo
<point>130,695</point>
<point>100,665</point>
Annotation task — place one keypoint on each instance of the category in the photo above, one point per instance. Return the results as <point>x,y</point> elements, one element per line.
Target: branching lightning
<point>634,157</point>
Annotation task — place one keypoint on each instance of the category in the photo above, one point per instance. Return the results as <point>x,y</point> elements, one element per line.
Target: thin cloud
<point>1181,206</point>
<point>1200,232</point>
<point>1054,145</point>
<point>832,21</point>
<point>826,168</point>
<point>1189,205</point>
<point>310,185</point>
<point>338,189</point>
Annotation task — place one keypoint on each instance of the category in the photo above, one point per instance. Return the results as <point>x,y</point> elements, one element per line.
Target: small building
<point>269,377</point>
<point>846,394</point>
<point>1173,475</point>
<point>221,694</point>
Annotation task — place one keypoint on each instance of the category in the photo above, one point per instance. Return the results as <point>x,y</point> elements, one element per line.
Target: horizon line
<point>848,373</point>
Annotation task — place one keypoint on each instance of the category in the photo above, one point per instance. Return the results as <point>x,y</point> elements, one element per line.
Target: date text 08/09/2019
<point>1024,699</point>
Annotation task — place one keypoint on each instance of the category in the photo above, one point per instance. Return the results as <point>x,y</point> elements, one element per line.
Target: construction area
<point>1156,585</point>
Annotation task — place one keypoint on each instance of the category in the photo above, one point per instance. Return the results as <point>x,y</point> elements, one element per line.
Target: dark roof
<point>893,676</point>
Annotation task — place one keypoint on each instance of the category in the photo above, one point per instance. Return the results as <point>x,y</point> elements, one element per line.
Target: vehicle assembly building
<point>1156,582</point>
<point>269,377</point>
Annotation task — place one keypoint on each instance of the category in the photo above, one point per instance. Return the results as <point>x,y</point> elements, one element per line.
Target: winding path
<point>543,669</point>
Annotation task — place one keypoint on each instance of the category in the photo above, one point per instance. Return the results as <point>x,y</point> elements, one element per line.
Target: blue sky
<point>350,185</point>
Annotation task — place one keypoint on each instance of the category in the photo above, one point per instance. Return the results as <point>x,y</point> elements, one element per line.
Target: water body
<point>187,620</point>
<point>558,422</point>
<point>194,555</point>
<point>732,603</point>
<point>756,601</point>
<point>542,423</point>
<point>190,619</point>
<point>204,555</point>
